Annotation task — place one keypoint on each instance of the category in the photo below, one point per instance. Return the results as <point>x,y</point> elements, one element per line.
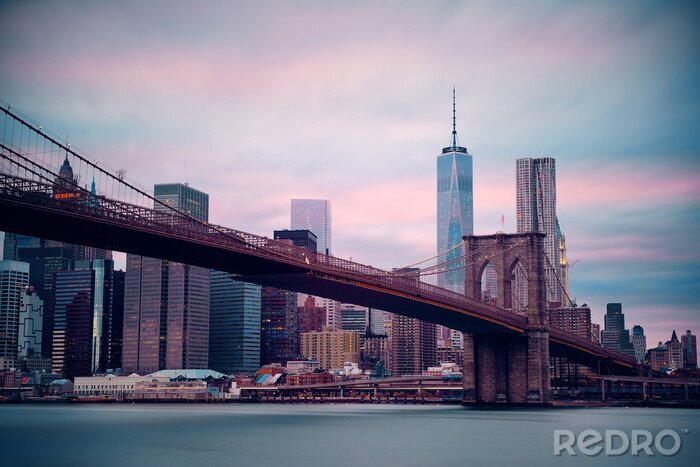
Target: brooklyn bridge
<point>506,353</point>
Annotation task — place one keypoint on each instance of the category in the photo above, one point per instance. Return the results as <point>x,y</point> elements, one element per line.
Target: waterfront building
<point>331,348</point>
<point>639,342</point>
<point>82,309</point>
<point>30,322</point>
<point>114,386</point>
<point>675,352</point>
<point>452,355</point>
<point>166,304</point>
<point>376,351</point>
<point>313,215</point>
<point>595,332</point>
<point>14,279</point>
<point>234,328</point>
<point>302,366</point>
<point>690,349</point>
<point>455,208</point>
<point>658,358</point>
<point>536,210</point>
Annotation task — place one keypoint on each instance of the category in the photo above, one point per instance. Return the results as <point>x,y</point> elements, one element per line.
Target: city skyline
<point>615,104</point>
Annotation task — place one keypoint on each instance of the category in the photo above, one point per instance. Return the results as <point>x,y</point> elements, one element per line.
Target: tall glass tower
<point>313,215</point>
<point>455,208</point>
<point>166,304</point>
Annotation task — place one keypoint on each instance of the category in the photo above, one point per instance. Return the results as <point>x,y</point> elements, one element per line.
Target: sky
<point>256,103</point>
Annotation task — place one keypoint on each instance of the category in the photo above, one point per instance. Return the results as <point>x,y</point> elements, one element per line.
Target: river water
<point>335,435</point>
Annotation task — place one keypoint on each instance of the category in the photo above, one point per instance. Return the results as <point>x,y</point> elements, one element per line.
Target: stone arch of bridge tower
<point>504,252</point>
<point>510,291</point>
<point>479,284</point>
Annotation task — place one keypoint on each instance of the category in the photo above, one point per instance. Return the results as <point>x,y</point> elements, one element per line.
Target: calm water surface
<point>319,435</point>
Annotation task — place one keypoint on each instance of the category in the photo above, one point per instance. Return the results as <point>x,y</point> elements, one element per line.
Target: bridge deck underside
<point>29,220</point>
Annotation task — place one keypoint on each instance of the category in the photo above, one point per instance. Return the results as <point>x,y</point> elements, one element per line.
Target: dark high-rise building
<point>615,336</point>
<point>412,342</point>
<point>234,326</point>
<point>116,321</point>
<point>301,238</point>
<point>184,198</point>
<point>13,242</point>
<point>413,346</point>
<point>83,306</point>
<point>690,349</point>
<point>279,319</point>
<point>166,304</point>
<point>279,326</point>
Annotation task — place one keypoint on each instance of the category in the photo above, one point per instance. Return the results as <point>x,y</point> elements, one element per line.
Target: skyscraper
<point>279,328</point>
<point>83,299</point>
<point>675,351</point>
<point>615,336</point>
<point>455,208</point>
<point>413,346</point>
<point>44,260</point>
<point>690,349</point>
<point>639,342</point>
<point>234,326</point>
<point>536,208</point>
<point>14,279</point>
<point>116,321</point>
<point>313,215</point>
<point>31,320</point>
<point>166,304</point>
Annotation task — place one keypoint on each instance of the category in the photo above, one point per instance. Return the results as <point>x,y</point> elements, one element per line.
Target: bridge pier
<point>506,369</point>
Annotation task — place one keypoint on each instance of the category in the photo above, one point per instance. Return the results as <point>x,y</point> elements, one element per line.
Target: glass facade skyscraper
<point>234,326</point>
<point>455,209</point>
<point>83,305</point>
<point>166,304</point>
<point>536,210</point>
<point>313,215</point>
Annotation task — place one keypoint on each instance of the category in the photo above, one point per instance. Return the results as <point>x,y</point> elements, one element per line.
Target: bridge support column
<point>486,371</point>
<point>517,370</point>
<point>469,380</point>
<point>538,383</point>
<point>506,369</point>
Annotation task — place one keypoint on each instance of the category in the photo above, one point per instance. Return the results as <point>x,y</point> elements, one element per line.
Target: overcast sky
<point>351,102</point>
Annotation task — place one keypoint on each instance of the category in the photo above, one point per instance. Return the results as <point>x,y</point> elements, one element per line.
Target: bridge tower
<point>508,368</point>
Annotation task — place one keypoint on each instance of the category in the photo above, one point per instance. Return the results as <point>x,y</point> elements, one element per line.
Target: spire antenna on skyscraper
<point>454,118</point>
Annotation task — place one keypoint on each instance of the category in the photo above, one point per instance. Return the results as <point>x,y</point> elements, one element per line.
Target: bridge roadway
<point>30,207</point>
